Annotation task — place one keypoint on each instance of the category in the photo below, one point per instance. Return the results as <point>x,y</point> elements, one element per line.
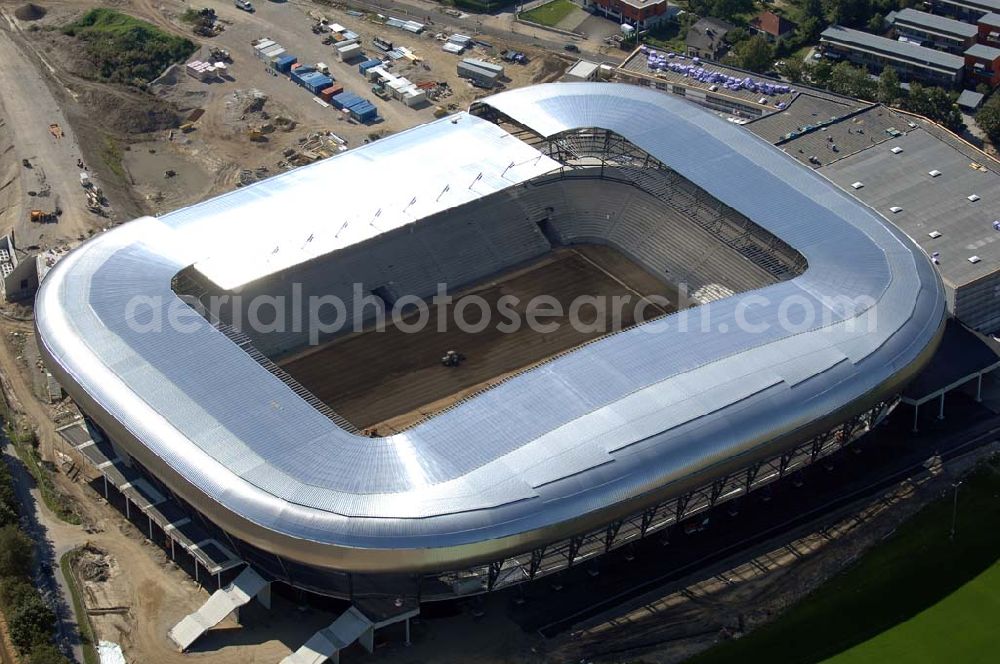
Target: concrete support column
<point>916,415</point>
<point>979,389</point>
<point>367,640</point>
<point>941,407</point>
<point>264,596</point>
<point>407,642</point>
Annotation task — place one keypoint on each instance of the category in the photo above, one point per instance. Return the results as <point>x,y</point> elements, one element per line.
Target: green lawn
<point>916,597</point>
<point>960,628</point>
<point>551,13</point>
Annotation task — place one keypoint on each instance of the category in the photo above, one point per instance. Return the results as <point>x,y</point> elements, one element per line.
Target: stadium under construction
<point>246,451</point>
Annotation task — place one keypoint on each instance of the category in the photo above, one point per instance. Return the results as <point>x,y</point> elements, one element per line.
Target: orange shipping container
<point>327,93</point>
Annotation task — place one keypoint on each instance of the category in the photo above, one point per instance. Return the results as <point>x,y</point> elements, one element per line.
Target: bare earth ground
<point>404,370</point>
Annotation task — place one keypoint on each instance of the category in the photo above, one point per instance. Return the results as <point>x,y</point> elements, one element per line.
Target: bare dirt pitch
<point>387,380</point>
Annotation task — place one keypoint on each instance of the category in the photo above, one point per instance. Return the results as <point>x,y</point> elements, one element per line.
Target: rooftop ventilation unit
<point>974,259</point>
<point>973,197</point>
<point>897,150</point>
<point>895,208</point>
<point>934,173</point>
<point>858,185</point>
<point>934,234</point>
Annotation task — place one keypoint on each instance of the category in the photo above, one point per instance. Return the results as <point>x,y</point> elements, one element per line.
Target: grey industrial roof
<point>931,203</point>
<point>983,52</point>
<point>932,22</point>
<point>890,47</point>
<point>845,136</point>
<point>596,433</point>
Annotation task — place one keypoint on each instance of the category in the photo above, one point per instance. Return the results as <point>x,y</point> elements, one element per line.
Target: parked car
<point>244,5</point>
<point>572,48</point>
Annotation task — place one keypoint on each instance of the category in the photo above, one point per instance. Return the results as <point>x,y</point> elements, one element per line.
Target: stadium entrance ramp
<point>352,625</point>
<point>222,603</point>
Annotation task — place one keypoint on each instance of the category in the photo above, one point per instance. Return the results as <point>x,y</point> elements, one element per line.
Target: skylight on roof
<point>934,173</point>
<point>895,209</point>
<point>934,234</point>
<point>974,259</point>
<point>897,150</point>
<point>858,185</point>
<point>973,197</point>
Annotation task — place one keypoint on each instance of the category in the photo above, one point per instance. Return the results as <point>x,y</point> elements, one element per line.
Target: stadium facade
<point>557,465</point>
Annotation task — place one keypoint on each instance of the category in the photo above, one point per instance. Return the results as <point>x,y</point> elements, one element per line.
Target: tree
<point>813,9</point>
<point>31,624</point>
<point>846,79</point>
<point>47,654</point>
<point>795,70</point>
<point>936,104</point>
<point>988,119</point>
<point>889,89</point>
<point>754,54</point>
<point>821,73</point>
<point>15,591</point>
<point>876,23</point>
<point>16,552</point>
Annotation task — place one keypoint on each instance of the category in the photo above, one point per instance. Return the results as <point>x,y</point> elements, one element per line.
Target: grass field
<point>551,13</point>
<point>917,597</point>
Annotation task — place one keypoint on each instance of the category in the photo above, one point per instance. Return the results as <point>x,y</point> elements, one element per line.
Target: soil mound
<point>30,12</point>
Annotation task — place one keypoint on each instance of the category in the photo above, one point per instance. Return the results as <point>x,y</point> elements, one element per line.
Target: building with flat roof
<point>989,29</point>
<point>639,14</point>
<point>965,10</point>
<point>911,62</point>
<point>947,197</point>
<point>940,32</point>
<point>982,65</point>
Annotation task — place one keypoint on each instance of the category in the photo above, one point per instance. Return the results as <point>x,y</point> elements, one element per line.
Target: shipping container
<point>488,66</point>
<point>352,52</point>
<point>284,63</point>
<point>482,77</point>
<point>344,100</point>
<point>365,112</point>
<point>368,64</point>
<point>316,82</point>
<point>382,44</point>
<point>329,93</point>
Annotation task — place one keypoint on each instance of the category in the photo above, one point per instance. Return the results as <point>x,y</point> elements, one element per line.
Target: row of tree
<point>30,621</point>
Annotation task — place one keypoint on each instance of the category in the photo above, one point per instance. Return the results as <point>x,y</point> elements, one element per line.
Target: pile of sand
<point>29,12</point>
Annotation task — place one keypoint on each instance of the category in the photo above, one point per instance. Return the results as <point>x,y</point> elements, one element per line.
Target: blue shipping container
<point>317,82</point>
<point>284,63</point>
<point>368,64</point>
<point>345,100</point>
<point>365,112</point>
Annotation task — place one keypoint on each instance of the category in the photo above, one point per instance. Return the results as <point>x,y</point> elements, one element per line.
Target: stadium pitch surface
<point>387,380</point>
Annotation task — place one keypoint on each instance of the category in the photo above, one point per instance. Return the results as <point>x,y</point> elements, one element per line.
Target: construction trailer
<point>483,78</point>
<point>350,52</point>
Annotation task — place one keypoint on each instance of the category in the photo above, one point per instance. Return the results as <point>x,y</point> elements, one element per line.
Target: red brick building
<point>640,14</point>
<point>772,27</point>
<point>982,65</point>
<point>989,30</point>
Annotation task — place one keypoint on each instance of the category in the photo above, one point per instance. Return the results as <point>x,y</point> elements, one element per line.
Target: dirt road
<point>27,105</point>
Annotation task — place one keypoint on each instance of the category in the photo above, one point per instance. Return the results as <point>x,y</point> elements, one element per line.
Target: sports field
<point>917,597</point>
<point>387,380</point>
<point>551,13</point>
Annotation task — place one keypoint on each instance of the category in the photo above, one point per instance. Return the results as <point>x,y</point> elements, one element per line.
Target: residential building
<point>640,14</point>
<point>940,32</point>
<point>772,27</point>
<point>989,29</point>
<point>707,38</point>
<point>911,62</point>
<point>964,10</point>
<point>982,65</point>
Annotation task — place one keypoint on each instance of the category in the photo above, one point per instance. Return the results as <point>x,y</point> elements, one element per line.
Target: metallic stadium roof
<point>590,436</point>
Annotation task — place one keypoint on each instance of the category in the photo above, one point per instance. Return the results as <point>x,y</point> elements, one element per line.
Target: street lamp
<point>954,508</point>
